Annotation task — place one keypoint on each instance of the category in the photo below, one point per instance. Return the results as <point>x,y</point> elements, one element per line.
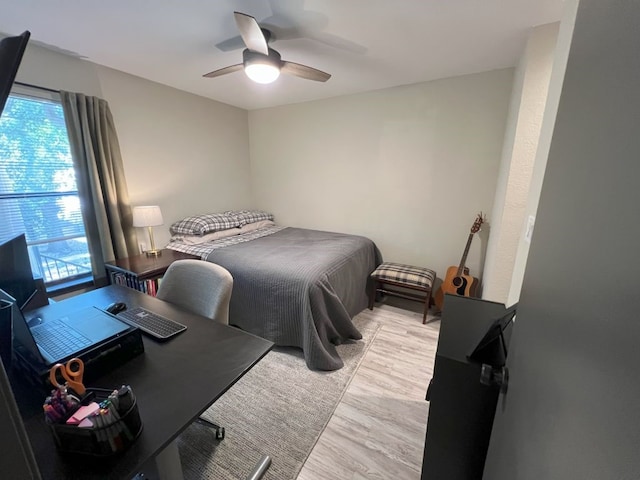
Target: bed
<point>296,287</point>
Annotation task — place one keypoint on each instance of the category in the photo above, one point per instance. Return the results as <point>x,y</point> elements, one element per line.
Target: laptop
<point>52,341</point>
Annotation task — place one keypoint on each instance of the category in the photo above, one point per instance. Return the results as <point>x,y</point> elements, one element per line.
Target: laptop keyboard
<point>58,339</point>
<point>155,325</point>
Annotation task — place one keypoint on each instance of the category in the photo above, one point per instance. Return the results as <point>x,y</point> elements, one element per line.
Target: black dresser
<point>464,390</point>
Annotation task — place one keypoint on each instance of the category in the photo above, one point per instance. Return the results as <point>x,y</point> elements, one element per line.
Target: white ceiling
<point>365,44</point>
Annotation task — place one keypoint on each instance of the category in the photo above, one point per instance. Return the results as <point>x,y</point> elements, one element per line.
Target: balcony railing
<point>57,269</point>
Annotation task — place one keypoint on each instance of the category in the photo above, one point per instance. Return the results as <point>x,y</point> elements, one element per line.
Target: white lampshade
<point>262,72</point>
<point>147,216</point>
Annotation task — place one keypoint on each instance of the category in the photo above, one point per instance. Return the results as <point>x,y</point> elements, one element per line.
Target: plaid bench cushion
<point>406,274</point>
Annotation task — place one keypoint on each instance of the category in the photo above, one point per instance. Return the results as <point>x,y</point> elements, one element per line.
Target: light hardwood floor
<point>378,429</point>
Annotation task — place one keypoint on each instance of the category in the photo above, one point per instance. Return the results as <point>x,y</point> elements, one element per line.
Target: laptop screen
<point>22,338</point>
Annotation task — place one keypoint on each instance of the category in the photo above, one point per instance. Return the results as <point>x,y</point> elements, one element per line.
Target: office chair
<point>200,287</point>
<point>203,288</point>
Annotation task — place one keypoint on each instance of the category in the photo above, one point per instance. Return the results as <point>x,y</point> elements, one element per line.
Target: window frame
<point>71,282</point>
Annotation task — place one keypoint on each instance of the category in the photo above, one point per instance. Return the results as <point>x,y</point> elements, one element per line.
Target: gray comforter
<point>300,288</point>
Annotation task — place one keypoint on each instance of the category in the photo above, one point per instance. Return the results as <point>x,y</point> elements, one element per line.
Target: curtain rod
<point>37,86</point>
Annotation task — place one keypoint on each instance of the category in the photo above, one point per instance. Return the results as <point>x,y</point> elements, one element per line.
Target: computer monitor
<point>11,52</point>
<point>492,348</point>
<point>16,276</point>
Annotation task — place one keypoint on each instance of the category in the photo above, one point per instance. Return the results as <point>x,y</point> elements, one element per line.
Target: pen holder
<point>102,441</point>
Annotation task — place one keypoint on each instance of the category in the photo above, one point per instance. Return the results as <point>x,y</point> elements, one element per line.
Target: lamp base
<point>153,253</point>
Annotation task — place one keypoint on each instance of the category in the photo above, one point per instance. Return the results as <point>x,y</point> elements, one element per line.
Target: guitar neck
<point>463,260</point>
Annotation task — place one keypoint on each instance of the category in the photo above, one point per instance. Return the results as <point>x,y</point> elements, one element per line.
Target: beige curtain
<point>100,177</point>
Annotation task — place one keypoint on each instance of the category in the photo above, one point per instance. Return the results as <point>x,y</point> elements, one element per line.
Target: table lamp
<point>148,216</point>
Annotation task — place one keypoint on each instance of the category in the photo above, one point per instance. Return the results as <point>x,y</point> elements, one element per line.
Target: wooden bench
<point>408,277</point>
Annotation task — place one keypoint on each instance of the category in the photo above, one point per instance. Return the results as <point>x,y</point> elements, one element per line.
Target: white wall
<point>185,153</point>
<point>54,70</point>
<point>544,142</point>
<point>518,159</point>
<point>409,167</point>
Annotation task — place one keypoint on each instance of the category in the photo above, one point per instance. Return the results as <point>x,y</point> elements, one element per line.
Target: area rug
<point>279,408</point>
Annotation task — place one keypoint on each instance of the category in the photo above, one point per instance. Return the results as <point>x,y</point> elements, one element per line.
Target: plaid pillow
<point>249,216</point>
<point>202,224</point>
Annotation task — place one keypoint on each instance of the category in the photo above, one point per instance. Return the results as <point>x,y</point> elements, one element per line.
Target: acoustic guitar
<point>458,281</point>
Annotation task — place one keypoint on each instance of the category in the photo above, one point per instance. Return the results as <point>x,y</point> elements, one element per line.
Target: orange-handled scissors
<point>72,372</point>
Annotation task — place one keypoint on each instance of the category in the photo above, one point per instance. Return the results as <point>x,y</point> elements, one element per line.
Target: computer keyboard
<point>151,323</point>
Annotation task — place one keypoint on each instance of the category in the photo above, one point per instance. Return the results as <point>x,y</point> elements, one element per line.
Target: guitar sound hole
<point>461,285</point>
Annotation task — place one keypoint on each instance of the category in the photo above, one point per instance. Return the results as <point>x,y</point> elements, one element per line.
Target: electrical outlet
<point>142,246</point>
<point>529,231</point>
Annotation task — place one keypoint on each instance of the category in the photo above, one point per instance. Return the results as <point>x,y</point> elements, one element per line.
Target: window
<point>38,192</point>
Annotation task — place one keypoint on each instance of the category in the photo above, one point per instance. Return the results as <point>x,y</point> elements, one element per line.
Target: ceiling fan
<point>261,63</point>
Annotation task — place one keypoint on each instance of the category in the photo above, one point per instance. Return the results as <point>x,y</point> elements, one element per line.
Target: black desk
<point>174,383</point>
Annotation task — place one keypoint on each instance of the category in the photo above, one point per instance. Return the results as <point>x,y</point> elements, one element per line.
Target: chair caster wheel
<point>220,433</point>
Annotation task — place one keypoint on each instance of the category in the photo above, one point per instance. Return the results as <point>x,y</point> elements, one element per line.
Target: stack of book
<point>149,286</point>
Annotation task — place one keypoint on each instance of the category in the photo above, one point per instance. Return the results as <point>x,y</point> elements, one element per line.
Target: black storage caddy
<point>104,441</point>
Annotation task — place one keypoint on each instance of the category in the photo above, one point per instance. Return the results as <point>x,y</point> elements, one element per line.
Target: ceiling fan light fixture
<point>262,72</point>
<point>261,63</point>
<point>262,68</point>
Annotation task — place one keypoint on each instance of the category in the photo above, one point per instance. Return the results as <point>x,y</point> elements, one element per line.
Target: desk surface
<point>174,382</point>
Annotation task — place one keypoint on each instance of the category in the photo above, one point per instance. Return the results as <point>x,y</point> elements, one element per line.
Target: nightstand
<point>141,272</point>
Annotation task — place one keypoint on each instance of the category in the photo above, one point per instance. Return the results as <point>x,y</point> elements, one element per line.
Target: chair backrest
<point>198,286</point>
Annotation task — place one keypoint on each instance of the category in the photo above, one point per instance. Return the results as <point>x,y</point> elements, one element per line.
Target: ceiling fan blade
<point>224,71</point>
<point>234,43</point>
<point>251,33</point>
<point>303,71</point>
